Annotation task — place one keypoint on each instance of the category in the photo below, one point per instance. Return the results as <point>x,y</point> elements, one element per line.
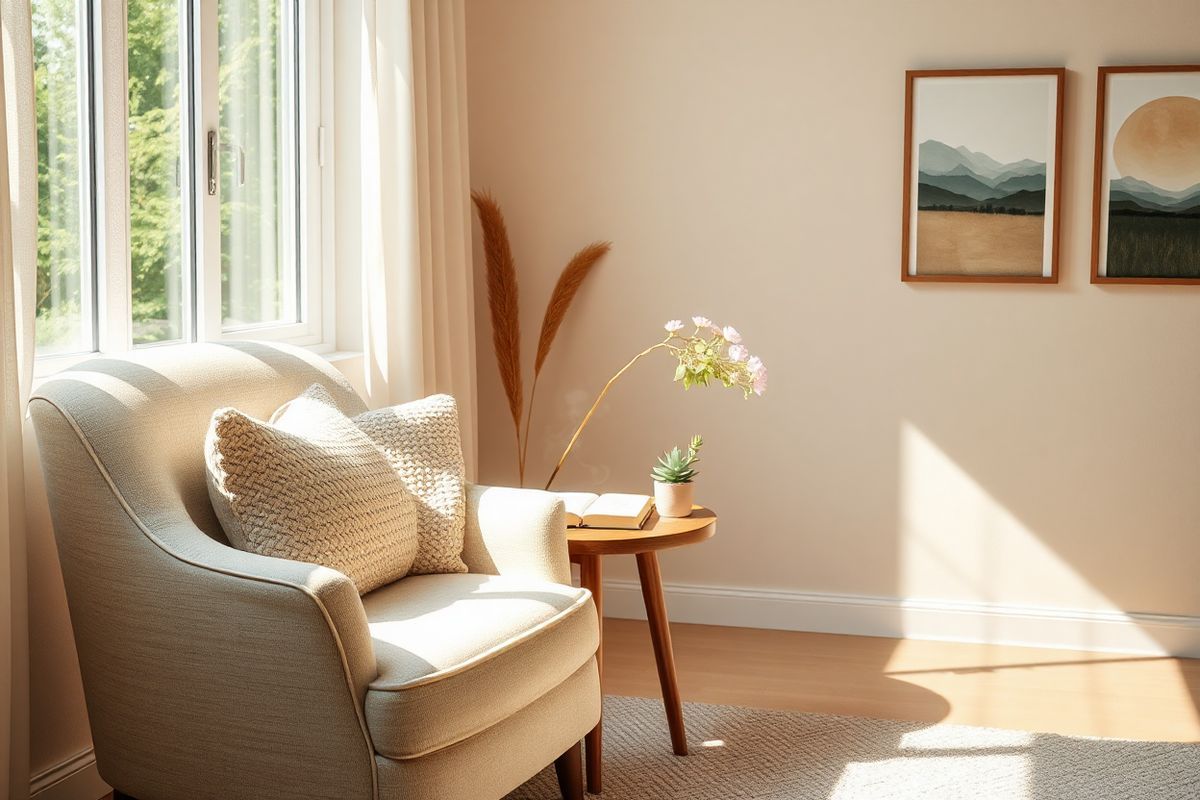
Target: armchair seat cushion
<point>459,653</point>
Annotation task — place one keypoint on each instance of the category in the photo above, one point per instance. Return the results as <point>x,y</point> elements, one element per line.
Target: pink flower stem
<point>587,417</point>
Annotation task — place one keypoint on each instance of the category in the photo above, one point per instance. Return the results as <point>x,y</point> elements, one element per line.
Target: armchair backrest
<point>145,415</point>
<point>192,653</point>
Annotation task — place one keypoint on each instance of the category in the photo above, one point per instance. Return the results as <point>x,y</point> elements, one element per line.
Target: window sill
<point>337,357</point>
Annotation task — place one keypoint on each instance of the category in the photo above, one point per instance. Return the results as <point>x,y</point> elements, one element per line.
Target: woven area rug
<point>753,753</point>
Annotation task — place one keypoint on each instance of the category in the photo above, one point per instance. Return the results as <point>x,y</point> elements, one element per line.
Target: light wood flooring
<point>1023,688</point>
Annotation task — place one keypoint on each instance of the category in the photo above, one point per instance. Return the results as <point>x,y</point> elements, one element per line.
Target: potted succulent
<point>673,474</point>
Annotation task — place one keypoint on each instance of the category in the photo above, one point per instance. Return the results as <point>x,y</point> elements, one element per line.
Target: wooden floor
<point>1023,688</point>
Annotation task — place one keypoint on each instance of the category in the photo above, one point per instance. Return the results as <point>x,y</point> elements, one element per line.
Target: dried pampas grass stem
<point>572,277</point>
<point>502,302</point>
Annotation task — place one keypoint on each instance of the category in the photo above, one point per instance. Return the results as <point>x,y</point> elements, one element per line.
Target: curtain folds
<point>415,223</point>
<point>18,243</point>
<point>439,39</point>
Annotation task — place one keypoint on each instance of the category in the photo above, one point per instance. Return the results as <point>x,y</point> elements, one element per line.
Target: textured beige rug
<point>752,753</point>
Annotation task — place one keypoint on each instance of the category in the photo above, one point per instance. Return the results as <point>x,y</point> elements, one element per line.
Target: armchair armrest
<point>305,594</point>
<point>516,532</point>
<point>184,639</point>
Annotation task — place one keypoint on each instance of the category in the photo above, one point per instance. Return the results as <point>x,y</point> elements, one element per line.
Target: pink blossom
<point>703,322</point>
<point>756,366</point>
<point>738,353</point>
<point>760,382</point>
<point>731,334</point>
<point>674,326</point>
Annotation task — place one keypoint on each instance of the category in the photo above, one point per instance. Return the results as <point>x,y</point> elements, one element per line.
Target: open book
<point>613,510</point>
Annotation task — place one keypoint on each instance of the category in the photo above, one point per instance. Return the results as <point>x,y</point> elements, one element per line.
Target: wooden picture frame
<point>997,243</point>
<point>1156,209</point>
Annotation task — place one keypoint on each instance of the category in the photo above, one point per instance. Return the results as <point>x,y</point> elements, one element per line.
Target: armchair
<point>211,672</point>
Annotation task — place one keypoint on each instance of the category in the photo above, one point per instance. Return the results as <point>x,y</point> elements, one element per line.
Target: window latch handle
<point>212,162</point>
<point>215,147</point>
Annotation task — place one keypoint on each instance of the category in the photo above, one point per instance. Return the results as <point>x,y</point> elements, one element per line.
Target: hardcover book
<point>612,510</point>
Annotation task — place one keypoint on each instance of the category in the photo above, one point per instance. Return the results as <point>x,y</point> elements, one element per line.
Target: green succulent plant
<point>676,466</point>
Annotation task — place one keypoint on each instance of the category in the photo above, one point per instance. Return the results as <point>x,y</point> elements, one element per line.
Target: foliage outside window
<point>257,93</point>
<point>156,162</point>
<point>63,266</point>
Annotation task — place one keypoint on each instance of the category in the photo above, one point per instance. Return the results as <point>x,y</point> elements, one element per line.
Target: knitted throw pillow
<point>421,441</point>
<point>310,486</point>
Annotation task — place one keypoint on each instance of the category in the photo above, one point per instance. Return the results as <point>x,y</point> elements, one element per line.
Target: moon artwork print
<point>982,162</point>
<point>1147,194</point>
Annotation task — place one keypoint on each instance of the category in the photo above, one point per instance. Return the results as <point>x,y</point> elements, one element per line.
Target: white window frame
<point>109,75</point>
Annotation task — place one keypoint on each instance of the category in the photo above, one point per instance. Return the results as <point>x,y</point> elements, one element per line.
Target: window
<point>157,155</point>
<point>66,265</point>
<point>218,132</point>
<point>258,113</point>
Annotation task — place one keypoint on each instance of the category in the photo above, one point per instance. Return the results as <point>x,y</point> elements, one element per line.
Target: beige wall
<point>1030,446</point>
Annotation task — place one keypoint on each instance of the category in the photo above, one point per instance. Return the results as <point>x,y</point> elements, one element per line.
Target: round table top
<point>659,533</point>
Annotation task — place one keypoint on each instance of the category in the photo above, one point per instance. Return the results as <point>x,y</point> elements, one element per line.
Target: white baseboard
<point>864,615</point>
<point>73,779</point>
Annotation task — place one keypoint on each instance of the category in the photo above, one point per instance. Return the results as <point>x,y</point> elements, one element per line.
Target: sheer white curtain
<point>18,241</point>
<point>408,160</point>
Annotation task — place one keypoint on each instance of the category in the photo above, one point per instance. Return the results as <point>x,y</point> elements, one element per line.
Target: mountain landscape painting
<point>1150,213</point>
<point>982,152</point>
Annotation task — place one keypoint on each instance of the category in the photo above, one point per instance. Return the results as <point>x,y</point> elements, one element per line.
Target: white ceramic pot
<point>674,499</point>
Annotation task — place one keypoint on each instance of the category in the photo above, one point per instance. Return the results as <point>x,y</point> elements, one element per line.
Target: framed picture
<point>1146,194</point>
<point>982,170</point>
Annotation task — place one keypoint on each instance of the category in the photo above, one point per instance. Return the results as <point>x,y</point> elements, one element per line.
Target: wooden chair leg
<point>569,767</point>
<point>591,576</point>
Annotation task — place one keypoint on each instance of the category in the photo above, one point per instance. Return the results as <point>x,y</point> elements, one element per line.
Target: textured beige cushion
<point>459,653</point>
<point>310,486</point>
<point>421,441</point>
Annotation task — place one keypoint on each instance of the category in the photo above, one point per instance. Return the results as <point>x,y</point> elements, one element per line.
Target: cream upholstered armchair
<point>212,672</point>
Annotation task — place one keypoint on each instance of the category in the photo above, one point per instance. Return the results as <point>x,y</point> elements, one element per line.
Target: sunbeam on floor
<point>1053,691</point>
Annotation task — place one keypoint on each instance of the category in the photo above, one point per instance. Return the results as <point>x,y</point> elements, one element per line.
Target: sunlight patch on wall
<point>957,542</point>
<point>970,569</point>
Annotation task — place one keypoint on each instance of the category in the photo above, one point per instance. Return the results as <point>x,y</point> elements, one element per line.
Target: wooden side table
<point>587,547</point>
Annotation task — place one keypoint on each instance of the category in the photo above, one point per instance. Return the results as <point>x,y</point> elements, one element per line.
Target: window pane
<point>64,263</point>
<point>158,269</point>
<point>259,176</point>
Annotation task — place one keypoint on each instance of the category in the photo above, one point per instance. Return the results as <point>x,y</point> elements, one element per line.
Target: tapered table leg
<point>591,577</point>
<point>660,635</point>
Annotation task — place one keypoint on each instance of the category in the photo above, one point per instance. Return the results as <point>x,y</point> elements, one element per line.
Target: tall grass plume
<point>502,303</point>
<point>569,281</point>
<point>505,313</point>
